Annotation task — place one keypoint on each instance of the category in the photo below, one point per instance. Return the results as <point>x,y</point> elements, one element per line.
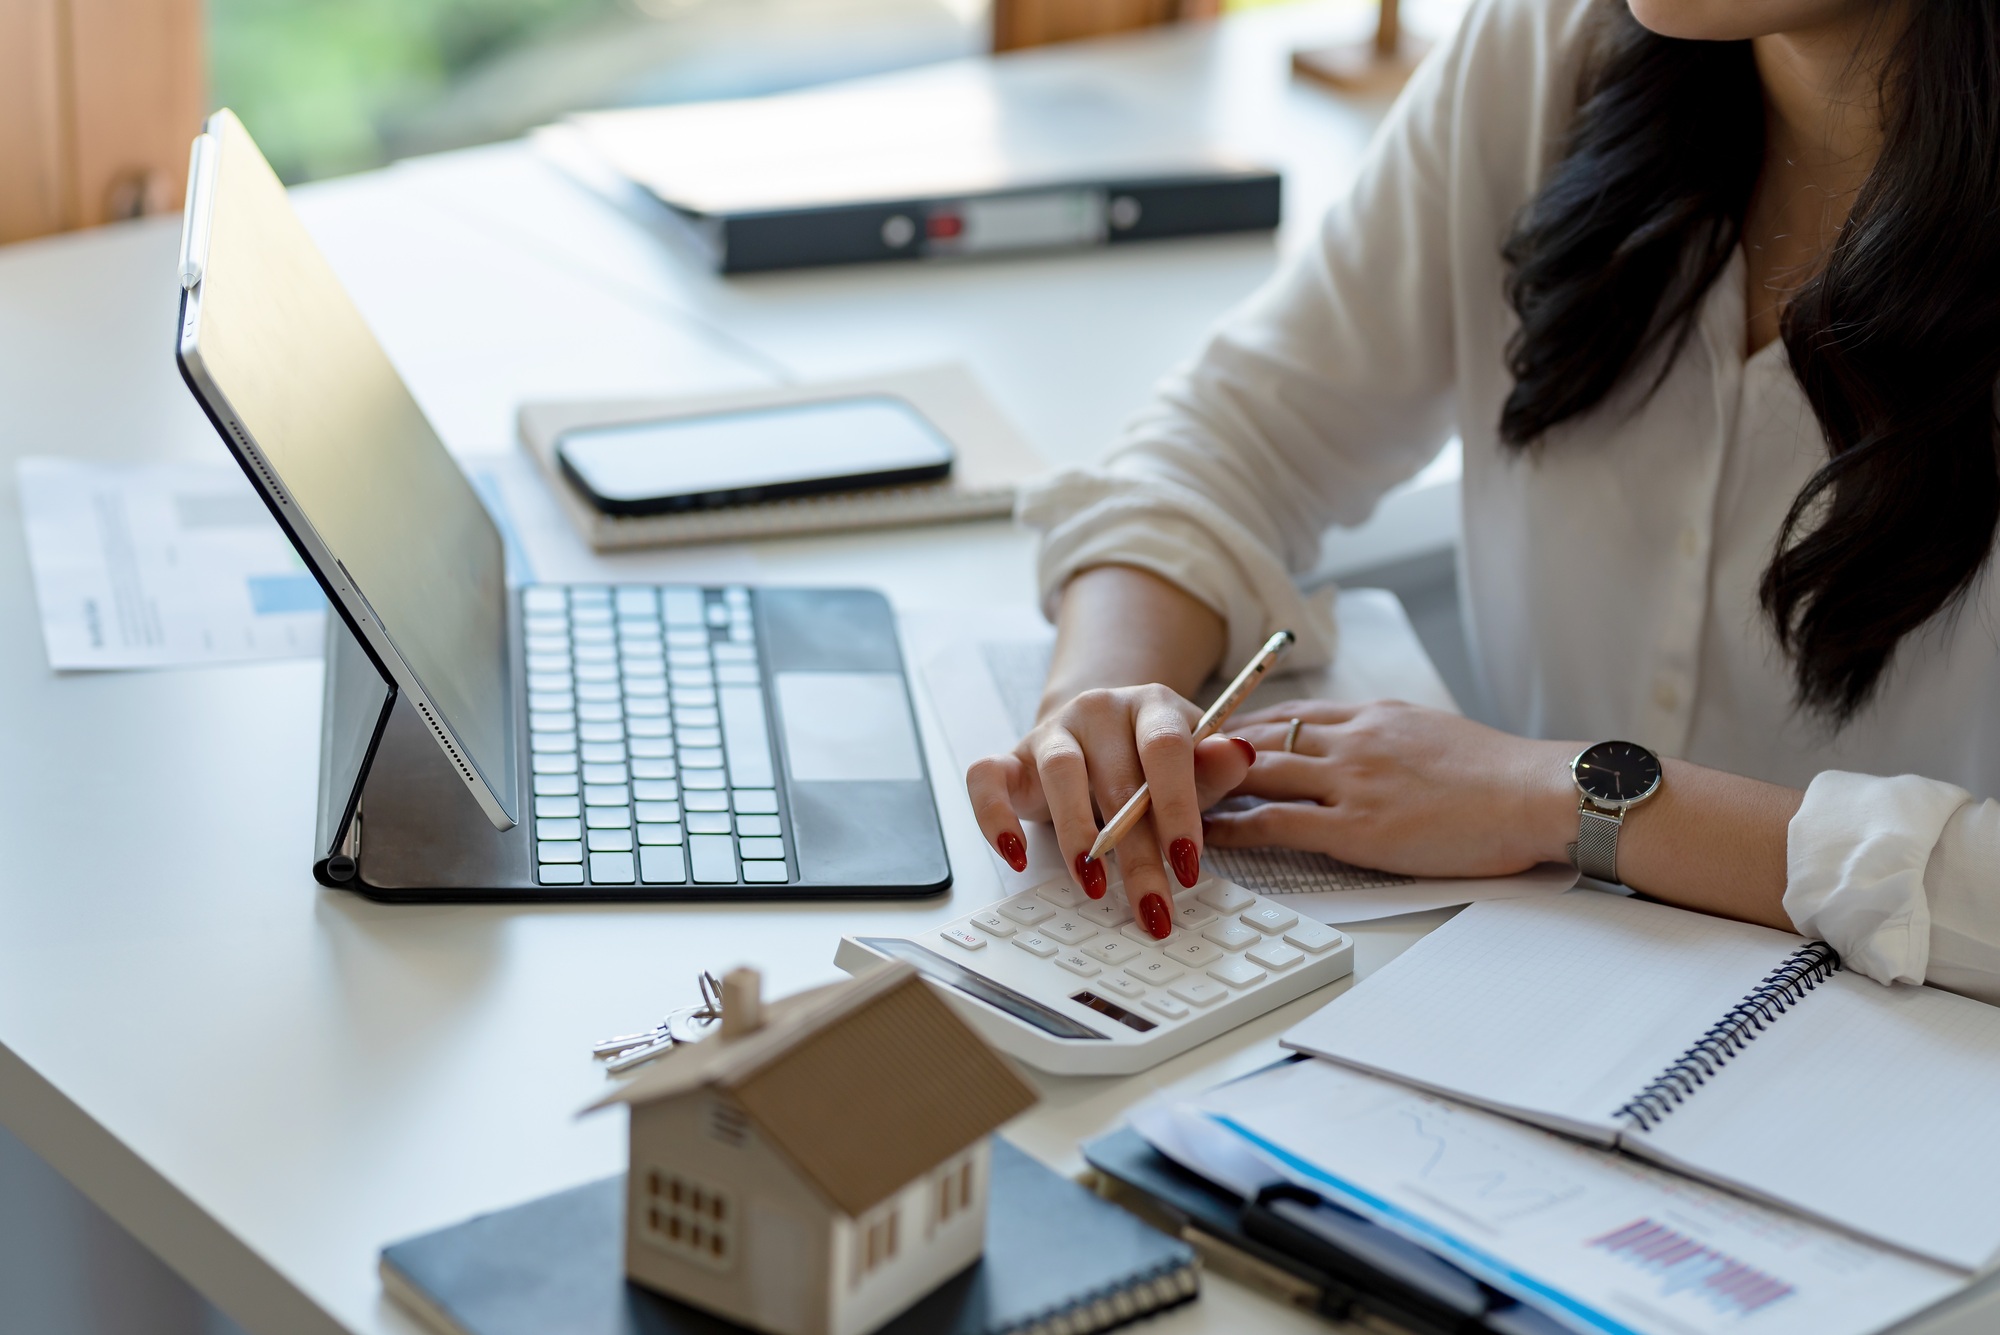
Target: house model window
<point>822,1162</point>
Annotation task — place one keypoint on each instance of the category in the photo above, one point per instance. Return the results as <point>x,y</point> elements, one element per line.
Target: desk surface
<point>265,1081</point>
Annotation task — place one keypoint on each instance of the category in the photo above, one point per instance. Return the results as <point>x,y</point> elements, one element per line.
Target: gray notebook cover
<point>555,1267</point>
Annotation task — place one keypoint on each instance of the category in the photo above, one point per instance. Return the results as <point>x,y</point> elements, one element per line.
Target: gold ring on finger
<point>1292,734</point>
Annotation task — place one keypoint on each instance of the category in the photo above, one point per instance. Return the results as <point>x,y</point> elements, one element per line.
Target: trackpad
<point>847,727</point>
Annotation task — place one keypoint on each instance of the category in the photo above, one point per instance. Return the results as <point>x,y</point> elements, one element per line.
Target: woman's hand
<point>1081,763</point>
<point>1402,789</point>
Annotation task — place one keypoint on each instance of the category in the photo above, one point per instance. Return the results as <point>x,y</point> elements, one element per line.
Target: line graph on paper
<point>1729,1286</point>
<point>1457,1167</point>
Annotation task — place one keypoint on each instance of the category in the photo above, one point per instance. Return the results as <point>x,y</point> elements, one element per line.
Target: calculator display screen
<point>983,989</point>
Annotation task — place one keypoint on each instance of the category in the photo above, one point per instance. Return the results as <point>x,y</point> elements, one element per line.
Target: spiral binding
<point>1803,970</point>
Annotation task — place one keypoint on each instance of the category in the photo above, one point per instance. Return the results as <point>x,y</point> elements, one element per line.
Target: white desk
<point>265,1081</point>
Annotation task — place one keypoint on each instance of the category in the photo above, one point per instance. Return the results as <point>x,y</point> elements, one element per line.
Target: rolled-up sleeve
<point>1888,872</point>
<point>1327,388</point>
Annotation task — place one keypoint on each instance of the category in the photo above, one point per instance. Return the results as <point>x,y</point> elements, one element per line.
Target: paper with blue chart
<point>170,565</point>
<point>1598,1241</point>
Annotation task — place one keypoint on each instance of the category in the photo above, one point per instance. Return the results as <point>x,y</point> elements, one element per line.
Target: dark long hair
<point>1895,341</point>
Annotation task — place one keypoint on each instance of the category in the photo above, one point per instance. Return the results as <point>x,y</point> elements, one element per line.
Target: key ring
<point>1292,735</point>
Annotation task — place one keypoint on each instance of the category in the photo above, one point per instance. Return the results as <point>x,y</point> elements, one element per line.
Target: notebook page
<point>1557,1009</point>
<point>1875,1107</point>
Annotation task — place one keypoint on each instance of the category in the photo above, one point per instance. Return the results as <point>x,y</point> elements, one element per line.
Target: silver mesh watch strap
<point>1597,843</point>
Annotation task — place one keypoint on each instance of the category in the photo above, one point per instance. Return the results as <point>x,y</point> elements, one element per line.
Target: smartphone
<point>753,454</point>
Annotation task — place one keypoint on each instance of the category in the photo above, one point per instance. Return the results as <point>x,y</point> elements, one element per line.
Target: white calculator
<point>1073,985</point>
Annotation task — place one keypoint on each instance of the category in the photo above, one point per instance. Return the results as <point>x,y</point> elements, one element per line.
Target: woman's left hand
<point>1403,789</point>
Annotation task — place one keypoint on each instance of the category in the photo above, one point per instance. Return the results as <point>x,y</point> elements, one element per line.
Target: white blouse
<point>1609,579</point>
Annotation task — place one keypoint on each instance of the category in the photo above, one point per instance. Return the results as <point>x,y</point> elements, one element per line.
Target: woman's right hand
<point>1081,763</point>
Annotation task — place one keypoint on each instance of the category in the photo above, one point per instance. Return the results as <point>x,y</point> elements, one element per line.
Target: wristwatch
<point>1613,777</point>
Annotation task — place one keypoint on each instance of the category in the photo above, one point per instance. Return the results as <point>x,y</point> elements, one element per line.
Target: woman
<point>1711,291</point>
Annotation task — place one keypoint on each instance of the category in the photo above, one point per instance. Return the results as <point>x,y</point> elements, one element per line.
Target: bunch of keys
<point>685,1025</point>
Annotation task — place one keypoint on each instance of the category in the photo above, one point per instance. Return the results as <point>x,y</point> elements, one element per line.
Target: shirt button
<point>1665,696</point>
<point>1690,543</point>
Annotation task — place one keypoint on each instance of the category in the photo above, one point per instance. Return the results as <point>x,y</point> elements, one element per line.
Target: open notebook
<point>1739,1054</point>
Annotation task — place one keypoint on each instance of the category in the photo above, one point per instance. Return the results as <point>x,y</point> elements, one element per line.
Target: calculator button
<point>662,866</point>
<point>1154,970</point>
<point>1199,992</point>
<point>1276,955</point>
<point>1063,895</point>
<point>963,939</point>
<point>993,924</point>
<point>1069,931</point>
<point>1079,964</point>
<point>1192,952</point>
<point>1111,950</point>
<point>1109,912</point>
<point>1168,1007</point>
<point>1123,986</point>
<point>1271,919</point>
<point>1232,935</point>
<point>1027,910</point>
<point>1226,898</point>
<point>1313,937</point>
<point>1191,914</point>
<point>612,869</point>
<point>1237,972</point>
<point>1133,931</point>
<point>1036,945</point>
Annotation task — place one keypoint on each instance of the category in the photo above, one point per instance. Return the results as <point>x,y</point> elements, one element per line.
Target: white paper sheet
<point>1598,1241</point>
<point>984,670</point>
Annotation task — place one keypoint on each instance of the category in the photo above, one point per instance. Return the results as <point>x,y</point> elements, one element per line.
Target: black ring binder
<point>1803,970</point>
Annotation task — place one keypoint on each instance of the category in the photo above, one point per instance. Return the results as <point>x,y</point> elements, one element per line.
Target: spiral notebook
<point>1735,1053</point>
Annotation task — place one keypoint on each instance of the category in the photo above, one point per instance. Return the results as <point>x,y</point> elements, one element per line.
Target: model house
<point>819,1164</point>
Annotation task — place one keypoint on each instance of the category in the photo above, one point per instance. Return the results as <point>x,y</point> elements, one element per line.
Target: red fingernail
<point>1154,913</point>
<point>1249,751</point>
<point>1187,862</point>
<point>1012,849</point>
<point>1090,875</point>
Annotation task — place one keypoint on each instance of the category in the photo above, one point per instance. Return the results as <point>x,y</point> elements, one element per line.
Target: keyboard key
<point>598,692</point>
<point>550,720</point>
<point>993,924</point>
<point>1037,946</point>
<point>545,625</point>
<point>1028,910</point>
<point>606,818</point>
<point>541,742</point>
<point>664,813</point>
<point>556,873</point>
<point>700,758</point>
<point>1168,1007</point>
<point>687,656</point>
<point>1231,935</point>
<point>1271,919</point>
<point>694,695</point>
<point>761,850</point>
<point>736,674</point>
<point>544,598</point>
<point>760,801</point>
<point>1313,938</point>
<point>1190,914</point>
<point>1063,895</point>
<point>600,775</point>
<point>713,857</point>
<point>548,643</point>
<point>761,827</point>
<point>593,653</point>
<point>558,829</point>
<point>601,732</point>
<point>558,806</point>
<point>647,727</point>
<point>1276,956</point>
<point>680,677</point>
<point>554,705</point>
<point>660,834</point>
<point>662,866</point>
<point>640,706</point>
<point>548,662</point>
<point>564,763</point>
<point>718,615</point>
<point>1079,964</point>
<point>555,785</point>
<point>766,871</point>
<point>644,687</point>
<point>1191,952</point>
<point>1225,898</point>
<point>717,801</point>
<point>1111,950</point>
<point>653,790</point>
<point>703,779</point>
<point>697,718</point>
<point>610,841</point>
<point>591,633</point>
<point>606,672</point>
<point>733,653</point>
<point>1152,969</point>
<point>552,682</point>
<point>1121,985</point>
<point>635,600</point>
<point>599,711</point>
<point>554,851</point>
<point>1199,992</point>
<point>1237,972</point>
<point>708,822</point>
<point>698,736</point>
<point>680,637</point>
<point>681,607</point>
<point>603,753</point>
<point>612,869</point>
<point>605,795</point>
<point>964,939</point>
<point>653,748</point>
<point>1110,912</point>
<point>1069,931</point>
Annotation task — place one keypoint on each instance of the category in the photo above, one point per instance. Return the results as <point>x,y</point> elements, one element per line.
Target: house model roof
<point>864,1085</point>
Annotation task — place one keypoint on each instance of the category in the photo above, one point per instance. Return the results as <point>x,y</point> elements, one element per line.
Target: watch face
<point>1617,773</point>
